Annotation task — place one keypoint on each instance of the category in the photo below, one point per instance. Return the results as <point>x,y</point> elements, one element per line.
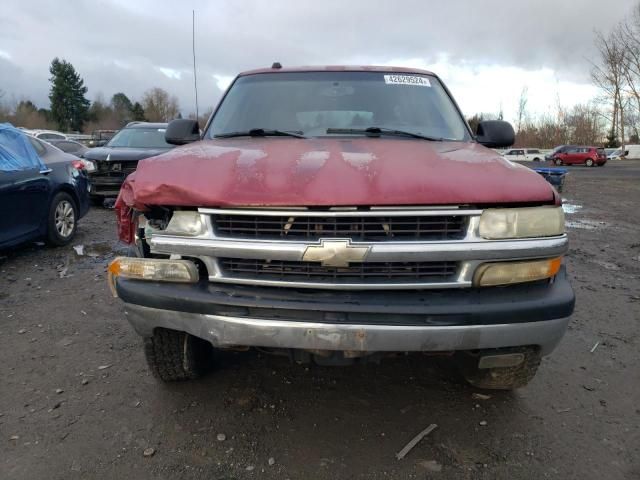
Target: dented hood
<point>276,171</point>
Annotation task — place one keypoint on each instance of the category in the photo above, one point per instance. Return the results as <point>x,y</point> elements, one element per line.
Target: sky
<point>485,51</point>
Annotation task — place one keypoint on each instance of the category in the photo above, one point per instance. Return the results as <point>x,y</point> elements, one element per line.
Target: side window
<point>68,147</point>
<point>520,152</point>
<point>510,152</point>
<point>40,150</point>
<point>50,136</point>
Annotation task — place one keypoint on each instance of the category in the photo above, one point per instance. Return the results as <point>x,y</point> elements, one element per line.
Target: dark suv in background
<point>119,157</point>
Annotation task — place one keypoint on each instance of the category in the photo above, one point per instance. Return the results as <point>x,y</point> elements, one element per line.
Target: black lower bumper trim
<point>474,306</point>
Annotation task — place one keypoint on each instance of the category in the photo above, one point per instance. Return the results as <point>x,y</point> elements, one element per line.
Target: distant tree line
<point>581,124</point>
<point>71,111</point>
<point>612,119</point>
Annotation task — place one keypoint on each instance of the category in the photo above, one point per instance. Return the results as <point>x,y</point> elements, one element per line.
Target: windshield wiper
<point>378,131</point>
<point>261,132</point>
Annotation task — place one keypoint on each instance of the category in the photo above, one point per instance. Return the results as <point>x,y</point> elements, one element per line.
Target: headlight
<point>152,269</point>
<point>185,222</point>
<point>505,273</point>
<point>501,223</point>
<point>89,166</point>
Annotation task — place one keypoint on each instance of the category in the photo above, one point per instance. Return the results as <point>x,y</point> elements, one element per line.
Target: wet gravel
<point>77,401</point>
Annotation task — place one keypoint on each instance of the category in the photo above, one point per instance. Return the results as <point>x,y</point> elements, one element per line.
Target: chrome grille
<point>357,272</point>
<point>123,168</point>
<point>249,257</point>
<point>358,228</point>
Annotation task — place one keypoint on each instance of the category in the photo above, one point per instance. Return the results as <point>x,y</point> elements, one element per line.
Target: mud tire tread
<point>508,378</point>
<point>176,356</point>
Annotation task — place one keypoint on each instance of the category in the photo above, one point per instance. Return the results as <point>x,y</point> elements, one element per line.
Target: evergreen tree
<point>67,95</point>
<point>137,113</point>
<point>121,103</point>
<point>122,108</point>
<point>612,140</point>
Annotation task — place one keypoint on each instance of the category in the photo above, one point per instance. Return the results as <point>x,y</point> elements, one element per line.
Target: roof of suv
<point>146,125</point>
<point>337,68</point>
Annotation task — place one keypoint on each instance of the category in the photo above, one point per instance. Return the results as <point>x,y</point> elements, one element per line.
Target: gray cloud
<point>117,46</point>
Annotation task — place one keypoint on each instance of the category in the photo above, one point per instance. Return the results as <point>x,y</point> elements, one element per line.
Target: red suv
<point>339,214</point>
<point>573,155</point>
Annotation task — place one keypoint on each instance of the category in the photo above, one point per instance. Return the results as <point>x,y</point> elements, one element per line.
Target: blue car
<point>43,191</point>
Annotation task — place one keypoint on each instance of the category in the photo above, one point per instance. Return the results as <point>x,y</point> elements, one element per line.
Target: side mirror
<point>182,131</point>
<point>495,134</point>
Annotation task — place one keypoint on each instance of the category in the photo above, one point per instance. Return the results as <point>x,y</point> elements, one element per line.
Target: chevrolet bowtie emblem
<point>335,253</point>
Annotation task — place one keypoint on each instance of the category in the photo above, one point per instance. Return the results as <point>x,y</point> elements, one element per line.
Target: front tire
<point>63,220</point>
<point>557,161</point>
<point>174,356</point>
<point>502,378</point>
<point>589,162</point>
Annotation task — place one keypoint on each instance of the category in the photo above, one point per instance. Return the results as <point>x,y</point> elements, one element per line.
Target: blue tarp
<point>16,151</point>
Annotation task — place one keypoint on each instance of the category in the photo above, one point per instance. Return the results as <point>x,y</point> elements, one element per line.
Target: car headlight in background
<point>152,269</point>
<point>89,166</point>
<point>506,273</point>
<point>503,223</point>
<point>82,164</point>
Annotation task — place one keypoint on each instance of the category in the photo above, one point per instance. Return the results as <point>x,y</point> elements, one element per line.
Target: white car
<point>524,154</point>
<point>614,153</point>
<point>46,134</point>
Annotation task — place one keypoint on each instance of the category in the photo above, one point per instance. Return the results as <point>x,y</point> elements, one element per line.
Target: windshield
<point>140,138</point>
<point>310,103</point>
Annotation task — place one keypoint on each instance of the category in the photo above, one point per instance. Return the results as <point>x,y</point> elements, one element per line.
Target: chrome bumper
<point>228,331</point>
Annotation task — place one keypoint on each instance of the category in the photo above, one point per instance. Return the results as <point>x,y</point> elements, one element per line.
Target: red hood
<point>329,172</point>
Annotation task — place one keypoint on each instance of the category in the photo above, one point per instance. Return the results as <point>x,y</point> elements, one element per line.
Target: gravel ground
<point>77,400</point>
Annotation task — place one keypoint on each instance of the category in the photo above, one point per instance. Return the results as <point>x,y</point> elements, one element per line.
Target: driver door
<point>24,201</point>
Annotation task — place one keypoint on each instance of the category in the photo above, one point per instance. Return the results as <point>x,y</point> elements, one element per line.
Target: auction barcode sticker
<point>407,80</point>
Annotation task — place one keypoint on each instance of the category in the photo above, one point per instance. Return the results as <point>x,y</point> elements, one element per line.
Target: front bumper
<point>462,319</point>
<point>105,186</point>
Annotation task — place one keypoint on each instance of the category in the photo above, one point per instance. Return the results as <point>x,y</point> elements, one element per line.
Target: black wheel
<point>174,356</point>
<point>97,201</point>
<point>501,378</point>
<point>536,159</point>
<point>589,162</point>
<point>63,219</point>
<point>557,161</point>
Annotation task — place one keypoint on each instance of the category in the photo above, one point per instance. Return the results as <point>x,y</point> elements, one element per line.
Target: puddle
<point>94,250</point>
<point>585,224</point>
<point>569,207</point>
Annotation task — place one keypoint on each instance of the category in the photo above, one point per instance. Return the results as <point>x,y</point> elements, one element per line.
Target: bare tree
<point>628,34</point>
<point>159,106</point>
<point>203,118</point>
<point>522,107</point>
<point>4,109</point>
<point>609,76</point>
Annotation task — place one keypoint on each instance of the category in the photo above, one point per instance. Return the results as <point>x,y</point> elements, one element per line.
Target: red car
<point>577,155</point>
